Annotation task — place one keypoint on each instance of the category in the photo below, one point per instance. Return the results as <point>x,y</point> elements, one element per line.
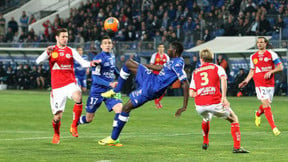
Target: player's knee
<point>117,108</point>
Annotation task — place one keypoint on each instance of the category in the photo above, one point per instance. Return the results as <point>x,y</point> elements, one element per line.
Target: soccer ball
<point>111,24</point>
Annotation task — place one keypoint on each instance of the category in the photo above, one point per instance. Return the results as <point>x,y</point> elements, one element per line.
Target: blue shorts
<point>145,91</point>
<point>94,102</point>
<point>82,81</point>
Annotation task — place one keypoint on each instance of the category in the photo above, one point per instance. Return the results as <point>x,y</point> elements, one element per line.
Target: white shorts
<point>59,96</point>
<point>207,112</point>
<point>265,93</point>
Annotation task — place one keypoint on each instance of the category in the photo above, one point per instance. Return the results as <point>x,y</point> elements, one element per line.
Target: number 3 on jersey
<point>204,78</point>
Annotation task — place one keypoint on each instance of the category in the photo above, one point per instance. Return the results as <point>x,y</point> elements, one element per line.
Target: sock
<point>115,122</point>
<point>82,120</point>
<point>160,98</point>
<point>77,110</point>
<point>124,74</point>
<point>121,121</point>
<point>56,127</point>
<point>269,117</point>
<point>235,132</point>
<point>260,111</point>
<point>205,131</point>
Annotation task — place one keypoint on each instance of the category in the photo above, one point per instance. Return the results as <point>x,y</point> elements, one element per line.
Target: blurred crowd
<point>189,21</point>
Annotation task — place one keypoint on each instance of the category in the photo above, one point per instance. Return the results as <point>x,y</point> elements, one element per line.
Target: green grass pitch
<point>150,135</point>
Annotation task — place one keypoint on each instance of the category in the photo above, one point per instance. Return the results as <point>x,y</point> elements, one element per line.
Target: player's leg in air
<point>129,66</point>
<point>77,110</point>
<point>157,101</point>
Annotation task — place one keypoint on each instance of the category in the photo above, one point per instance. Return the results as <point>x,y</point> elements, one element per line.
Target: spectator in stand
<point>2,24</point>
<point>24,22</point>
<point>13,25</point>
<point>32,19</point>
<point>264,28</point>
<point>222,62</point>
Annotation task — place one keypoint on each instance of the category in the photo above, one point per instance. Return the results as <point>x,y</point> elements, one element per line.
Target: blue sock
<point>124,74</point>
<point>82,120</point>
<point>121,121</point>
<point>115,122</point>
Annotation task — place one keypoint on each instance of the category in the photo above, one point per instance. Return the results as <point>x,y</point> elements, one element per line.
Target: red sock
<point>56,127</point>
<point>160,98</point>
<point>235,132</point>
<point>205,131</point>
<point>269,116</point>
<point>77,110</point>
<point>260,111</point>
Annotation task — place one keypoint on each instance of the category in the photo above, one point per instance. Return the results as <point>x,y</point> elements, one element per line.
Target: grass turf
<point>150,135</point>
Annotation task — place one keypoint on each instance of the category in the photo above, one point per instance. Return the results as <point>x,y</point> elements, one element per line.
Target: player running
<point>81,72</point>
<point>63,81</point>
<point>103,76</point>
<point>150,86</point>
<point>262,64</point>
<point>210,101</point>
<point>159,58</point>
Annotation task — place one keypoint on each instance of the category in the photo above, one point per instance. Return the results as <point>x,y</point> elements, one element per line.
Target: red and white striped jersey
<point>206,83</point>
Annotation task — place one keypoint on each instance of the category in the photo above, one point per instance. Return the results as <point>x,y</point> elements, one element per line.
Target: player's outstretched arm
<point>247,79</point>
<point>185,86</point>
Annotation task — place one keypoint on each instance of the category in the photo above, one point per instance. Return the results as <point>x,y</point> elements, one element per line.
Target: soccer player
<point>263,64</point>
<point>81,72</point>
<point>159,58</point>
<point>102,81</point>
<point>61,58</point>
<point>210,100</point>
<point>150,86</point>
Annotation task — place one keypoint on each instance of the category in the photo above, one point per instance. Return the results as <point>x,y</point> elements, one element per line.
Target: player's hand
<point>267,75</point>
<point>50,49</point>
<point>113,84</point>
<point>179,111</point>
<point>225,102</point>
<point>95,62</point>
<point>243,84</point>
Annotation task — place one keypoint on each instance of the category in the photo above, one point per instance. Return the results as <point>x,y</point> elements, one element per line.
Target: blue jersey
<point>103,73</point>
<point>152,86</point>
<point>79,70</point>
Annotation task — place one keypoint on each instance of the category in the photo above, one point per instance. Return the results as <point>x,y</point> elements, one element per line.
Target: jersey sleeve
<point>251,63</point>
<point>192,83</point>
<point>168,58</point>
<point>178,68</point>
<point>152,60</point>
<point>44,56</point>
<point>79,59</point>
<point>221,72</point>
<point>275,57</point>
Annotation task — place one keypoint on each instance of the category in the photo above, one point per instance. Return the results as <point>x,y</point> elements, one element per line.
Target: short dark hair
<point>178,47</point>
<point>61,30</point>
<point>105,37</point>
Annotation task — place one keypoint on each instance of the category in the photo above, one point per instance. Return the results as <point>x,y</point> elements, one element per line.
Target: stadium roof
<point>228,44</point>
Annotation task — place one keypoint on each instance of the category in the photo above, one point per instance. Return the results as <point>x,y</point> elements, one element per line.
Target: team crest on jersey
<point>255,61</point>
<point>68,56</point>
<point>54,55</point>
<point>61,54</point>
